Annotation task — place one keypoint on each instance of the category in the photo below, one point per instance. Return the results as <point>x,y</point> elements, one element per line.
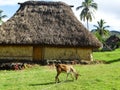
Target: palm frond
<point>106,26</point>
<point>94,6</point>
<point>96,26</point>
<point>79,7</point>
<point>4,16</point>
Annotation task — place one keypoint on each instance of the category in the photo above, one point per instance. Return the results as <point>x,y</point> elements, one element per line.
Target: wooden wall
<point>38,53</point>
<point>21,52</point>
<point>68,53</point>
<point>18,52</point>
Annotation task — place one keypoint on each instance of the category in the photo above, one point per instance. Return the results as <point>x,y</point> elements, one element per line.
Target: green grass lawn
<point>107,56</point>
<point>93,77</point>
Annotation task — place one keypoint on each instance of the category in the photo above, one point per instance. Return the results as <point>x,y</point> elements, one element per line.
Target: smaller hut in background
<point>112,42</point>
<point>42,30</point>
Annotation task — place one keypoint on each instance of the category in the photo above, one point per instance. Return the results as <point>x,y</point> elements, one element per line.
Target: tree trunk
<point>87,25</point>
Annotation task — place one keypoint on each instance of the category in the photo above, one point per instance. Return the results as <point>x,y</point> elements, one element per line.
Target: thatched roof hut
<point>46,24</point>
<point>113,42</point>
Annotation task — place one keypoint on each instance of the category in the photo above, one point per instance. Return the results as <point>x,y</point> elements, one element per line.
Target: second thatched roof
<point>46,23</point>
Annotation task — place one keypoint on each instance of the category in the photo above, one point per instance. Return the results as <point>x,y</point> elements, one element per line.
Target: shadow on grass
<point>113,61</point>
<point>49,83</point>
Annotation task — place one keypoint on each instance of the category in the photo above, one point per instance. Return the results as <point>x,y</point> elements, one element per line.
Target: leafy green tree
<point>101,30</point>
<point>88,7</point>
<point>2,16</point>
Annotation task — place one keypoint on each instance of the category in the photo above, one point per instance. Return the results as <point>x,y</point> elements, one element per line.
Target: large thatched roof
<point>46,23</point>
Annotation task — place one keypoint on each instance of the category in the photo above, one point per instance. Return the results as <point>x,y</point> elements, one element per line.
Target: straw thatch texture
<point>46,23</point>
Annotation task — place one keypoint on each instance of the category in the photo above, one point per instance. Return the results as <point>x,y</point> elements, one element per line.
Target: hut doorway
<point>37,53</point>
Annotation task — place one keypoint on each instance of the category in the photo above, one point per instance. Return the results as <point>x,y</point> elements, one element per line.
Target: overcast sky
<point>108,10</point>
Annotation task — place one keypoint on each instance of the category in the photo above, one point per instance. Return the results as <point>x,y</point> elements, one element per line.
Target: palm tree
<point>101,29</point>
<point>88,7</point>
<point>2,16</point>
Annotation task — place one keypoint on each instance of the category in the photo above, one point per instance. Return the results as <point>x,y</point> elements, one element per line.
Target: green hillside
<point>117,33</point>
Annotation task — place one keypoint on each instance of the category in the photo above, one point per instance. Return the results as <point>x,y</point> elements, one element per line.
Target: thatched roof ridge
<point>46,23</point>
<point>42,3</point>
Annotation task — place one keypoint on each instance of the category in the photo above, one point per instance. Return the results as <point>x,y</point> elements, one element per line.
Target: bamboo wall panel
<point>15,52</point>
<point>85,53</point>
<point>67,53</point>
